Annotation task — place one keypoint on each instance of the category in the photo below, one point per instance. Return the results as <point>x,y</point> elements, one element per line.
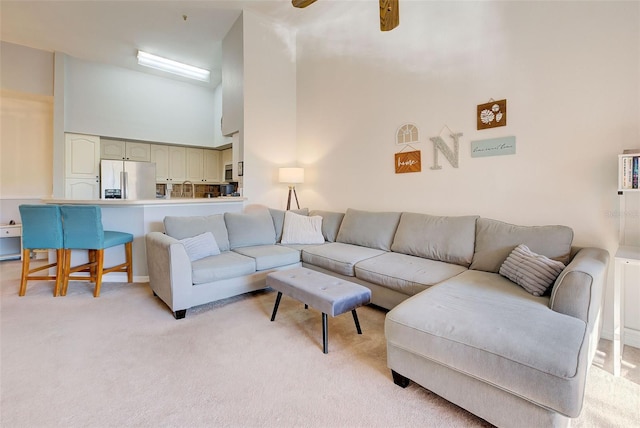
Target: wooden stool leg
<point>129,254</point>
<point>66,271</point>
<point>92,264</point>
<point>25,271</point>
<point>99,268</point>
<point>60,265</point>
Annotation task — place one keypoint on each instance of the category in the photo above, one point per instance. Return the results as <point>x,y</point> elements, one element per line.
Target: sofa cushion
<point>495,240</point>
<point>338,257</point>
<point>331,222</point>
<point>302,229</point>
<point>368,229</point>
<point>270,256</point>
<point>531,271</point>
<point>478,323</point>
<point>447,239</point>
<point>248,229</point>
<point>405,274</point>
<point>277,216</point>
<point>223,266</point>
<point>200,246</point>
<point>181,227</point>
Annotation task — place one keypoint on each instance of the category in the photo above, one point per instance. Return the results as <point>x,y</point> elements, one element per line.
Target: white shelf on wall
<point>625,173</point>
<point>625,255</point>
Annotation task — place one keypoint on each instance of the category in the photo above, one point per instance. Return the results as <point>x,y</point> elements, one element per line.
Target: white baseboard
<point>119,277</point>
<point>631,337</point>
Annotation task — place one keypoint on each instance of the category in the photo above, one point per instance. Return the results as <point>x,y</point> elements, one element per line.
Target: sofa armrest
<point>578,291</point>
<point>169,270</point>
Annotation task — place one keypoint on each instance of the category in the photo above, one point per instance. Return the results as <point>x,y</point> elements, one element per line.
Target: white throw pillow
<point>201,246</point>
<point>533,272</point>
<point>302,229</point>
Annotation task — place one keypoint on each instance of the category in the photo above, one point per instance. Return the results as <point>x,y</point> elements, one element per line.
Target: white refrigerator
<point>127,180</point>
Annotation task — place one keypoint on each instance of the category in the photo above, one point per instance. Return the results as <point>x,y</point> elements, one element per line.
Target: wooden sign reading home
<point>408,162</point>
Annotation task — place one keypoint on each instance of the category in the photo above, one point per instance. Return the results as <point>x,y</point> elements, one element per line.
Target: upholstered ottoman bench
<point>329,295</point>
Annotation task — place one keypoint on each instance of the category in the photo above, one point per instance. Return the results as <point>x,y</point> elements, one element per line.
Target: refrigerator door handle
<point>124,178</point>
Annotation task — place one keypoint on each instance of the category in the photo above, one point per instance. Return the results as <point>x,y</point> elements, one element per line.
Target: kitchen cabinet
<point>81,188</point>
<point>125,150</point>
<point>177,164</point>
<point>194,164</point>
<point>227,157</point>
<point>82,166</point>
<point>211,171</point>
<point>170,163</point>
<point>203,165</point>
<point>82,156</point>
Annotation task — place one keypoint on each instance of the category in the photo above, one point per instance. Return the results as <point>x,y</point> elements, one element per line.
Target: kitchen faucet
<point>185,183</point>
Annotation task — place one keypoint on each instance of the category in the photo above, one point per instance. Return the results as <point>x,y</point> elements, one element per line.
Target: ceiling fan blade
<point>302,3</point>
<point>389,15</point>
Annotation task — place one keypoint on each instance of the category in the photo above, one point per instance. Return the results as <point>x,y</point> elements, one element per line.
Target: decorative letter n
<point>451,155</point>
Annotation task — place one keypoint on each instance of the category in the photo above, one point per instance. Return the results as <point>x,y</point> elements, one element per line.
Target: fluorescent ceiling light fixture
<point>175,67</point>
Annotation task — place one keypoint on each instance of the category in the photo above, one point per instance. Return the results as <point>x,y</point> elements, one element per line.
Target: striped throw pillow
<point>302,229</point>
<point>201,246</point>
<point>533,272</point>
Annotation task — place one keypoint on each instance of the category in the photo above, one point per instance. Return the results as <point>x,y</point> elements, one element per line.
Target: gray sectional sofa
<point>459,323</point>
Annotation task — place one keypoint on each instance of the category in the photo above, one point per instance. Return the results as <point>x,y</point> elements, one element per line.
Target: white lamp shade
<point>291,175</point>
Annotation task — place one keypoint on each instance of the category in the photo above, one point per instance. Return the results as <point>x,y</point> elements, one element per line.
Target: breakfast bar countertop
<point>145,202</point>
<point>141,216</point>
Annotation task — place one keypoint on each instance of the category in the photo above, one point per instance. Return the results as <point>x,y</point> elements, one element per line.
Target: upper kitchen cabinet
<point>203,165</point>
<point>232,79</point>
<point>82,156</point>
<point>125,150</point>
<point>82,166</point>
<point>170,163</point>
<point>194,164</point>
<point>227,157</point>
<point>211,171</point>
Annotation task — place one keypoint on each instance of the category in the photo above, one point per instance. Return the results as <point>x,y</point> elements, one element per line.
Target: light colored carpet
<point>123,360</point>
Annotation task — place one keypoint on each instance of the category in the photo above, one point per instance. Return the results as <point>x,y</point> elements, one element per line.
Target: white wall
<point>269,137</point>
<point>116,102</point>
<point>219,139</point>
<point>233,79</point>
<point>569,72</point>
<point>26,121</point>
<point>26,70</point>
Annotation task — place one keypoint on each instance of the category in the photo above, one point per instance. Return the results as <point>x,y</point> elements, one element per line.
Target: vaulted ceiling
<point>112,31</point>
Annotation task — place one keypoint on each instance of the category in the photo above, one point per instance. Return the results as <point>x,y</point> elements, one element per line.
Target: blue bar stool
<point>83,231</point>
<point>41,230</point>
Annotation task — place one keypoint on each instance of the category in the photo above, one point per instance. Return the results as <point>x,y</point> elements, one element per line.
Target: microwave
<point>228,172</point>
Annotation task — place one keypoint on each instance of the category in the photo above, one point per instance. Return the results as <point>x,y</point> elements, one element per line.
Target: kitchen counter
<point>140,217</point>
<point>143,202</point>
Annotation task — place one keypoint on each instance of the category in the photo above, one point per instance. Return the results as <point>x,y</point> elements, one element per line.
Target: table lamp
<point>291,176</point>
